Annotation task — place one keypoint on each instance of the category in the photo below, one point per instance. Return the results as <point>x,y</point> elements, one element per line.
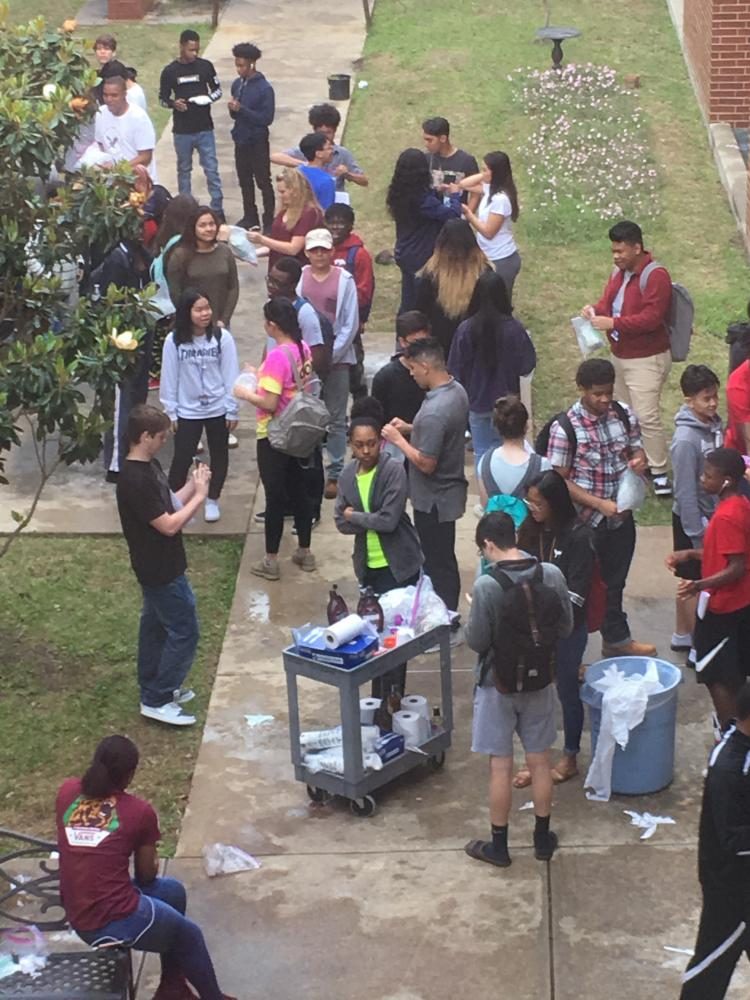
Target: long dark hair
<point>488,310</point>
<point>183,323</point>
<point>411,180</point>
<point>173,221</point>
<point>189,240</point>
<point>112,765</point>
<point>281,311</point>
<point>501,179</point>
<point>555,491</point>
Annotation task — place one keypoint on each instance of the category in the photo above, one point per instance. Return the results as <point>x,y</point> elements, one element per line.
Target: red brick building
<point>717,45</point>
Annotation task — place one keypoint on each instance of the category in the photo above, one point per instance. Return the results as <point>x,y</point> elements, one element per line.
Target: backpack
<point>326,326</point>
<point>679,321</point>
<point>509,503</point>
<point>162,301</point>
<point>302,424</point>
<point>351,256</point>
<point>522,656</point>
<point>541,445</point>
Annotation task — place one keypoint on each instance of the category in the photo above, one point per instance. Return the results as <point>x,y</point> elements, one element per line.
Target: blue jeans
<point>159,924</point>
<point>336,397</point>
<point>569,656</point>
<point>167,640</point>
<point>204,142</point>
<point>484,436</point>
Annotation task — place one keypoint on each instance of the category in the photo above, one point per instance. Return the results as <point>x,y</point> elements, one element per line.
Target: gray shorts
<point>497,716</point>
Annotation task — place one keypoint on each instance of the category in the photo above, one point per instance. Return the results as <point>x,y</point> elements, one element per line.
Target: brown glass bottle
<point>336,609</point>
<point>369,608</point>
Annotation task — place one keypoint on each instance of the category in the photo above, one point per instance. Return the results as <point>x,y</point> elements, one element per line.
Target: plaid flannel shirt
<point>603,449</point>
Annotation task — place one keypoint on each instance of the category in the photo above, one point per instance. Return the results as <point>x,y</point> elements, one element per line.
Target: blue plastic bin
<point>647,764</point>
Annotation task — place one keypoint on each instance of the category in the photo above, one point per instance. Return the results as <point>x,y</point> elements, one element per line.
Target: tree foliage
<point>59,365</point>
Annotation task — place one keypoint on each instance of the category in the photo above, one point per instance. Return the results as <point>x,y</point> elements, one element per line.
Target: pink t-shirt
<point>322,294</point>
<point>276,376</point>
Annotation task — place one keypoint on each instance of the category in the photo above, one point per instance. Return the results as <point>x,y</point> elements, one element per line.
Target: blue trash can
<point>647,763</point>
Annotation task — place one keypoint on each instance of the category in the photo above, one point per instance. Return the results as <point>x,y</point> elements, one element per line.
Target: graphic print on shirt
<point>88,822</point>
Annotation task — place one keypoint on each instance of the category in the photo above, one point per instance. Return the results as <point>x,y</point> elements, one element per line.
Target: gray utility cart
<point>356,784</point>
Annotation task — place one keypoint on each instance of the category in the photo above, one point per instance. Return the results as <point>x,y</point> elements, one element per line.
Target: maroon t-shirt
<point>96,838</point>
<point>311,218</point>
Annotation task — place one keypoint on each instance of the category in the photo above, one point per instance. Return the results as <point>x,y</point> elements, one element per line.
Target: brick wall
<point>128,10</point>
<point>717,43</point>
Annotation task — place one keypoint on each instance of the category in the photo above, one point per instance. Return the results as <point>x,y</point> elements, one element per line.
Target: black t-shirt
<point>143,494</point>
<point>396,391</point>
<point>460,163</point>
<point>186,80</point>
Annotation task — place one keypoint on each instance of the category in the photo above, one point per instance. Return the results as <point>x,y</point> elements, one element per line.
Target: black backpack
<point>541,445</point>
<point>522,657</point>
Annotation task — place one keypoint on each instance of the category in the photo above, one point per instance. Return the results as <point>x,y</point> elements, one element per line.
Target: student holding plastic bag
<point>371,506</point>
<point>554,534</point>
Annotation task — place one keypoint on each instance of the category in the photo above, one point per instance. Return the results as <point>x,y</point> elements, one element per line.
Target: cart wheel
<point>363,807</point>
<point>437,762</point>
<point>318,794</point>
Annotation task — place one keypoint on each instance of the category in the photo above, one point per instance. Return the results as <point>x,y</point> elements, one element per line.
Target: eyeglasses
<point>531,505</point>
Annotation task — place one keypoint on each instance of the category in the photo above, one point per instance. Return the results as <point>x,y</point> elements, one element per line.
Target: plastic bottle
<point>369,608</point>
<point>394,701</point>
<point>337,608</point>
<point>383,717</point>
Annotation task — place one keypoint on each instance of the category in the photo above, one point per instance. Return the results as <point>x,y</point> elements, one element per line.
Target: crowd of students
<point>555,539</point>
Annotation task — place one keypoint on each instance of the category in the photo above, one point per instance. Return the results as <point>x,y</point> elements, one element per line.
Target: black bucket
<point>338,87</point>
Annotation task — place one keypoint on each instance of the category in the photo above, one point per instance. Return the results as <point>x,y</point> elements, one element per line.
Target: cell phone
<point>198,460</point>
<point>449,177</point>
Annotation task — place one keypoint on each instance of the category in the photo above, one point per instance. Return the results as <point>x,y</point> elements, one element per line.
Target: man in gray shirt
<point>435,451</point>
<point>529,712</point>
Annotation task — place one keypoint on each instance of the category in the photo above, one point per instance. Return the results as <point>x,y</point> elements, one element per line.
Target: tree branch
<point>43,479</point>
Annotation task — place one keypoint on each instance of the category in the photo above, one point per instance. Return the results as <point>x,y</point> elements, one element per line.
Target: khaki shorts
<point>497,716</point>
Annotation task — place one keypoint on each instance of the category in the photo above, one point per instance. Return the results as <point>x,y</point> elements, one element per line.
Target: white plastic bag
<point>631,491</point>
<point>225,859</point>
<point>324,739</point>
<point>240,245</point>
<point>588,337</point>
<point>333,760</point>
<point>623,708</point>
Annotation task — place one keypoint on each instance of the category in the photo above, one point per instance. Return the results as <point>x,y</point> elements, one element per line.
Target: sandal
<point>522,778</point>
<point>481,850</point>
<point>561,775</point>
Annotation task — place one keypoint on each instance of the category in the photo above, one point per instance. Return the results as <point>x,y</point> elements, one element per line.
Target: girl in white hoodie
<point>199,368</point>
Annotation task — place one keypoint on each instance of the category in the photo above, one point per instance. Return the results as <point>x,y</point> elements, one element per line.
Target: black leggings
<point>186,441</point>
<point>285,481</point>
<point>382,580</point>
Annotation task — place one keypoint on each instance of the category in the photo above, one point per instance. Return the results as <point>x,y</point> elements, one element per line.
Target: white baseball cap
<point>318,238</point>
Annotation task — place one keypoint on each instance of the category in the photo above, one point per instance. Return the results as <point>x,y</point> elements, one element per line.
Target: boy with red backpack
<point>350,253</point>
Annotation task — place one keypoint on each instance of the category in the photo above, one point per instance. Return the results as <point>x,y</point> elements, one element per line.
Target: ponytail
<point>114,761</point>
<point>281,311</point>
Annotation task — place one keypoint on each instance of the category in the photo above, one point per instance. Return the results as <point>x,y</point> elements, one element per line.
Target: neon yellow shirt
<point>375,556</point>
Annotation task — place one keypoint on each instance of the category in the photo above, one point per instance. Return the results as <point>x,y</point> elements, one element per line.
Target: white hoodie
<point>197,377</point>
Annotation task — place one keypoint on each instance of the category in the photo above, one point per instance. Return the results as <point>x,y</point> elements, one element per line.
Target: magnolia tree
<point>59,365</point>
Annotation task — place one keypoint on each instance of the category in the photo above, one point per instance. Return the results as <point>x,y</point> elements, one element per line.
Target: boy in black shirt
<point>723,863</point>
<point>195,86</point>
<point>392,385</point>
<point>152,519</point>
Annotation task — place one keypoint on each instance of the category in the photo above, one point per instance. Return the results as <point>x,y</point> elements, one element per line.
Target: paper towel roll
<point>344,631</point>
<point>416,703</point>
<point>411,726</point>
<point>367,709</point>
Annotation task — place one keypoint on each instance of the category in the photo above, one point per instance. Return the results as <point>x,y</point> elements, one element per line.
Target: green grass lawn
<point>69,612</point>
<point>428,59</point>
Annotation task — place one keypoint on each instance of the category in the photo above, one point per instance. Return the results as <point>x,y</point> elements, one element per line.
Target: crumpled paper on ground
<point>647,822</point>
<point>226,859</point>
<point>623,708</point>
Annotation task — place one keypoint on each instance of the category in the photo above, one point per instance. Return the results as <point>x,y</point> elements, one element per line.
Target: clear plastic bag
<point>631,492</point>
<point>226,859</point>
<point>588,337</point>
<point>333,760</point>
<point>418,608</point>
<point>240,245</point>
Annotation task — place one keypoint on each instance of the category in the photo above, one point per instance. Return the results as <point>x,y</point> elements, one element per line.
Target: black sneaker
<point>662,486</point>
<point>545,845</point>
<point>260,517</point>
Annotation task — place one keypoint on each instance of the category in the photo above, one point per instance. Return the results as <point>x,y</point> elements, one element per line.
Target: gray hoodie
<point>693,437</point>
<point>487,602</point>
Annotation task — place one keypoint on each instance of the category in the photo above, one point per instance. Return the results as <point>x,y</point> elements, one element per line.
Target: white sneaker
<point>211,511</point>
<point>171,713</point>
<point>183,695</point>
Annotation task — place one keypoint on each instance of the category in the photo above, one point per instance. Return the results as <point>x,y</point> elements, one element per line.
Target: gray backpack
<point>302,424</point>
<point>679,322</point>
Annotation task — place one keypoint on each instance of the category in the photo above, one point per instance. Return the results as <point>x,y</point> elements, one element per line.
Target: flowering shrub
<point>589,146</point>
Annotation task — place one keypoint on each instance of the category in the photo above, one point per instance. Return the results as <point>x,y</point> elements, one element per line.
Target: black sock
<point>541,828</point>
<point>500,841</point>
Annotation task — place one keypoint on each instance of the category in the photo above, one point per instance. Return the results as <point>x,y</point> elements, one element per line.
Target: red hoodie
<point>360,268</point>
<point>641,323</point>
